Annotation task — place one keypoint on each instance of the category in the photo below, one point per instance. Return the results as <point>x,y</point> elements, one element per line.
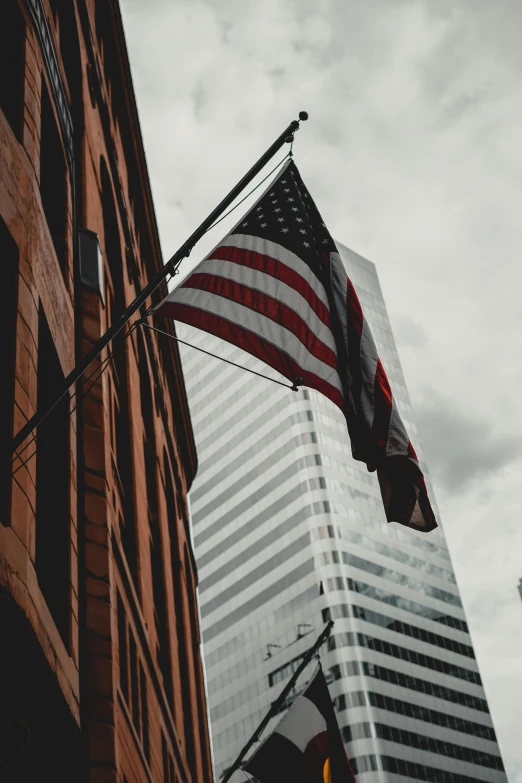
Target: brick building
<point>100,670</point>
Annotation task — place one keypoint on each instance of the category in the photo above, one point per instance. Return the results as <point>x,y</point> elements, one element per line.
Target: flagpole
<point>170,267</point>
<point>280,699</point>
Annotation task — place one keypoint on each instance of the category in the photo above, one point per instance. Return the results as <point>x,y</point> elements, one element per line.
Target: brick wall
<point>95,553</point>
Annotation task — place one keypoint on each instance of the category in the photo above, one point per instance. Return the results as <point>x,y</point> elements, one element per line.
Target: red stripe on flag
<point>278,270</point>
<point>383,407</point>
<point>266,305</point>
<point>353,307</point>
<point>411,451</point>
<point>253,344</point>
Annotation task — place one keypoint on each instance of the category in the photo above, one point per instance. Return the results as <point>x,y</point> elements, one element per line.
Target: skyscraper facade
<point>289,532</point>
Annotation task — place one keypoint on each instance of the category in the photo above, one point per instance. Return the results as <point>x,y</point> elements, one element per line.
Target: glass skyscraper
<point>289,531</point>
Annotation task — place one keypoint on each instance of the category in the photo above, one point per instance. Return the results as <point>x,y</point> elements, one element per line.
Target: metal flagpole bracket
<point>303,116</point>
<point>297,384</point>
<point>169,268</point>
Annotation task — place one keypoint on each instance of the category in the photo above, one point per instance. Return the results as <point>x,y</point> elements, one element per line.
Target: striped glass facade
<point>289,532</point>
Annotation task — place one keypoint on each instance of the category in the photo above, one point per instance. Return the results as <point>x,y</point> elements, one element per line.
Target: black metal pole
<point>169,267</point>
<point>280,699</point>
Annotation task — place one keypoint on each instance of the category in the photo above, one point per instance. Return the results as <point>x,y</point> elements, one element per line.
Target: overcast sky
<point>413,154</point>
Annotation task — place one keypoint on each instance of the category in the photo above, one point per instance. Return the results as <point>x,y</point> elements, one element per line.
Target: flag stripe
<point>266,326</point>
<point>368,359</point>
<point>354,308</point>
<point>264,247</point>
<point>398,441</point>
<point>301,281</point>
<point>249,340</point>
<point>383,407</point>
<point>302,723</point>
<point>267,287</point>
<point>273,309</point>
<point>338,283</point>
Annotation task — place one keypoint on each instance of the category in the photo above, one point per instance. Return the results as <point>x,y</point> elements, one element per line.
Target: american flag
<point>277,288</point>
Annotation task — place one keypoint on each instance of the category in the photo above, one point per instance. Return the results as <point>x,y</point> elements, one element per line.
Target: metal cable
<point>288,155</point>
<point>99,371</point>
<point>297,382</point>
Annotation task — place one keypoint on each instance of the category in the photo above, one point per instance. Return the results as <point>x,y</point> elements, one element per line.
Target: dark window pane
<point>52,485</point>
<point>9,255</point>
<point>12,62</point>
<point>53,179</point>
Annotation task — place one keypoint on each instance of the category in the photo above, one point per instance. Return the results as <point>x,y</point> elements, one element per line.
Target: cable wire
<point>297,381</point>
<point>288,155</point>
<point>99,371</point>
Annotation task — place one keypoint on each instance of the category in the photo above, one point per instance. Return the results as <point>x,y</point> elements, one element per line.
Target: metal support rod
<point>167,269</point>
<point>280,699</point>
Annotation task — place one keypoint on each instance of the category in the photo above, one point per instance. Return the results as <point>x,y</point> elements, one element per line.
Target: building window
<point>136,695</point>
<point>9,255</point>
<point>366,764</point>
<point>425,742</point>
<point>183,639</point>
<point>52,484</point>
<point>12,62</point>
<point>144,713</point>
<point>173,544</point>
<point>102,24</point>
<point>420,713</point>
<point>168,763</point>
<point>122,430</point>
<point>195,651</point>
<point>53,179</point>
<point>409,769</point>
<point>54,6</point>
<point>123,455</point>
<point>123,650</point>
<point>160,609</point>
<point>65,15</point>
<point>134,682</point>
<point>159,586</point>
<point>113,248</point>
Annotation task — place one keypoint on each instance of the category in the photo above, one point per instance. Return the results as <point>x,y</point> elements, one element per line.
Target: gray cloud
<point>408,333</point>
<point>461,449</point>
